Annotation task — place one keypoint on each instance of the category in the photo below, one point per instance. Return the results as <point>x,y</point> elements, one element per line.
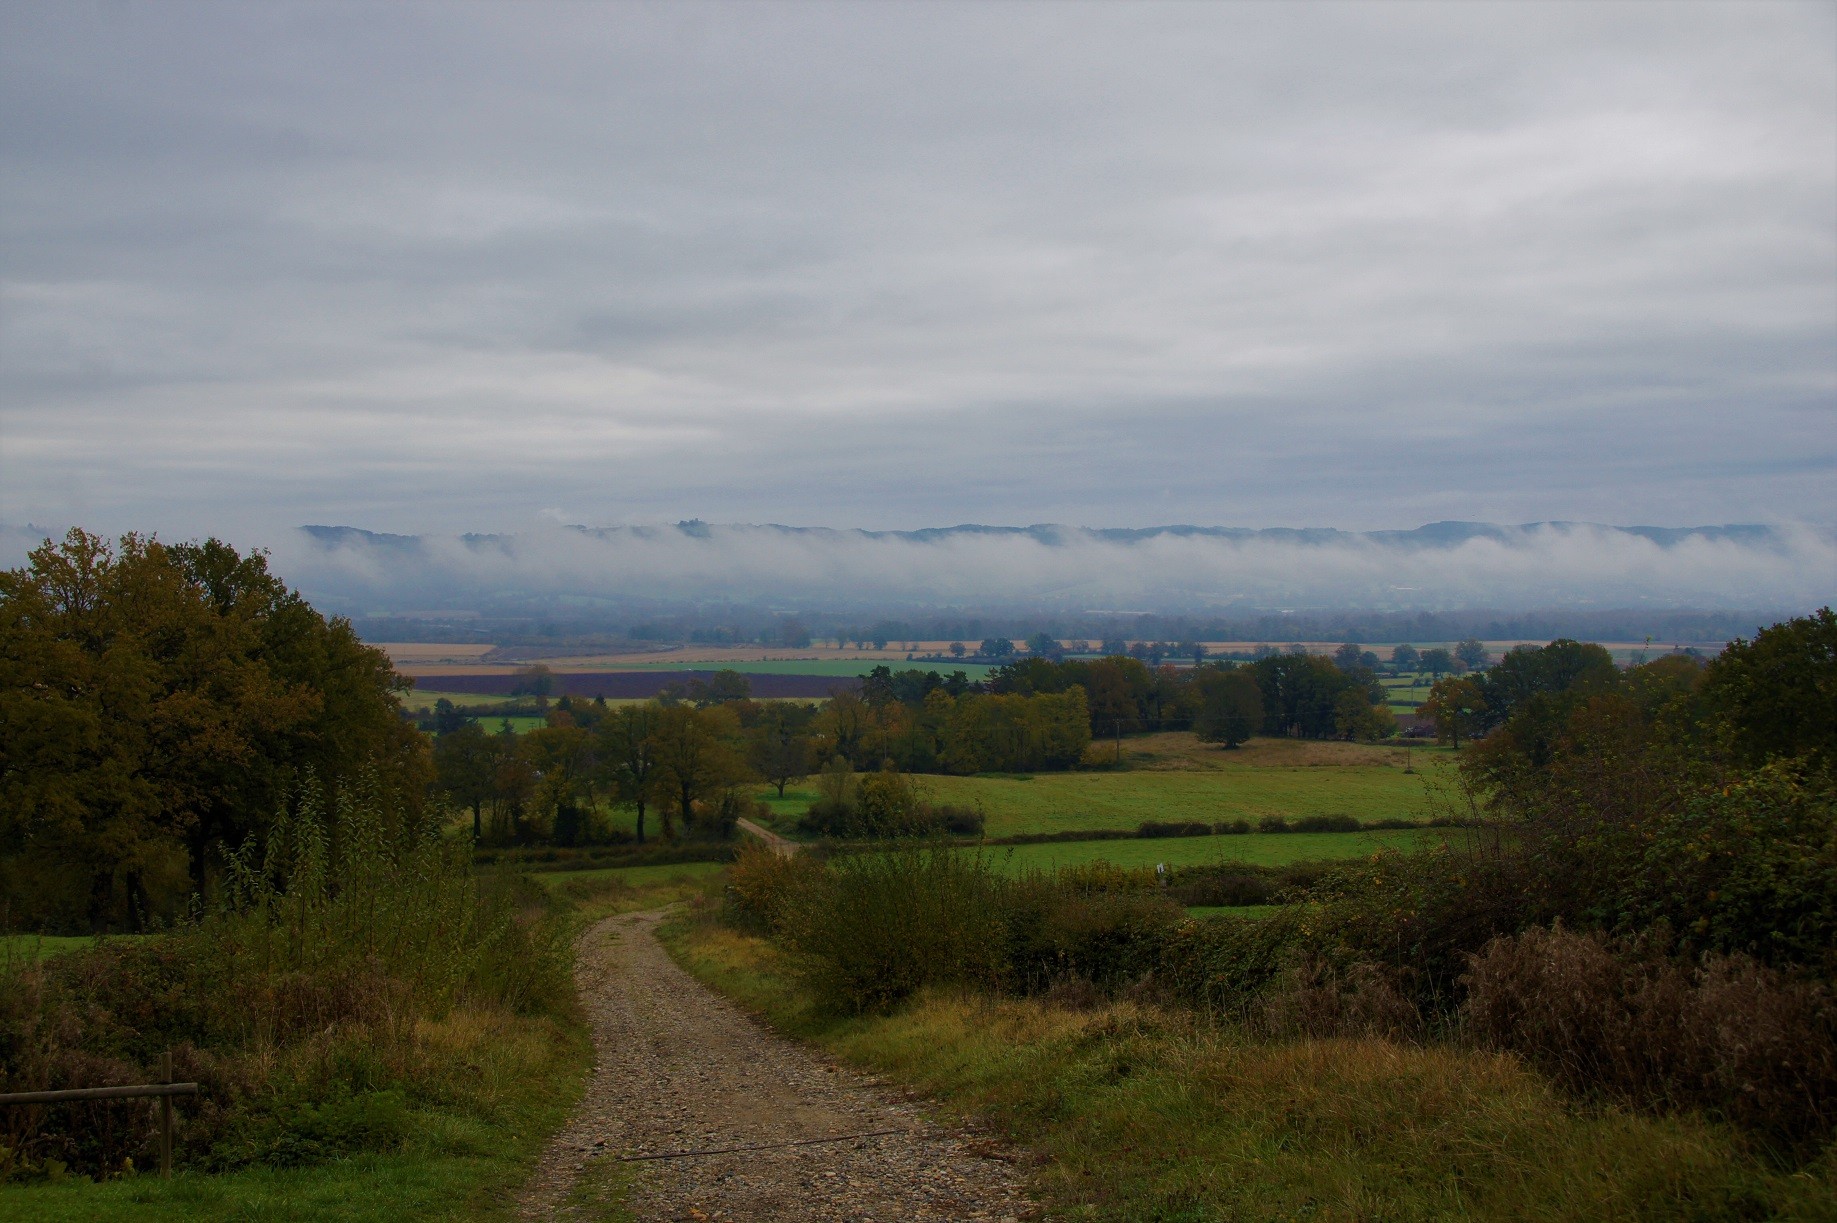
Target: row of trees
<point>691,765</point>
<point>686,764</point>
<point>1302,695</point>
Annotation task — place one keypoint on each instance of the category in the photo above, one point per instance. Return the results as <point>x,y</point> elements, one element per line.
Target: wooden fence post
<point>165,1118</point>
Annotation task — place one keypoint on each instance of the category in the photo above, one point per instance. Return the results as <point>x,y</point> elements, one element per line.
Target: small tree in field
<point>1456,706</point>
<point>1230,707</point>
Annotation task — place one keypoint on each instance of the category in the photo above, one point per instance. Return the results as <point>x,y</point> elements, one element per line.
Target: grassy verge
<point>602,893</point>
<point>1147,1114</point>
<point>464,1156</point>
<point>470,1143</point>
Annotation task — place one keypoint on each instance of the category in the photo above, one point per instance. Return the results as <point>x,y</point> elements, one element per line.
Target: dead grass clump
<point>1727,1035</point>
<point>1320,999</point>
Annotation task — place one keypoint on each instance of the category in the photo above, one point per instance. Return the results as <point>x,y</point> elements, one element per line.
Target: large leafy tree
<point>693,758</point>
<point>1778,692</point>
<point>157,704</point>
<point>1230,706</point>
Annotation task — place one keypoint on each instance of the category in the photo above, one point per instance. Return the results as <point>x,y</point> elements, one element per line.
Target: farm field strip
<point>37,946</point>
<point>1256,848</point>
<point>1059,802</point>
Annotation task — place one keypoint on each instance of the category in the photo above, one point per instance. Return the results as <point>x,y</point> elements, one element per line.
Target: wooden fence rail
<point>165,1091</point>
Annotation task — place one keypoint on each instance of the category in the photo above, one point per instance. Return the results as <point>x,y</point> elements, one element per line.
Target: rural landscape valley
<point>1182,930</point>
<point>859,611</point>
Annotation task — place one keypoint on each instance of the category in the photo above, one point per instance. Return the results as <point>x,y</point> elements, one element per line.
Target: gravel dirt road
<point>681,1070</point>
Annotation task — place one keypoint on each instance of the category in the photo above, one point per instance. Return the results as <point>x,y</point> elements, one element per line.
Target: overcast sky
<point>464,267</point>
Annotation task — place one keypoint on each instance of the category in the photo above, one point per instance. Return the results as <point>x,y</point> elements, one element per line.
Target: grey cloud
<point>440,267</point>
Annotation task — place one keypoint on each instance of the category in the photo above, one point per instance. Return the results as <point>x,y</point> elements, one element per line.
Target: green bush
<point>876,927</point>
<point>297,1133</point>
<point>1750,867</point>
<point>1175,828</point>
<point>1106,936</point>
<point>1726,1034</point>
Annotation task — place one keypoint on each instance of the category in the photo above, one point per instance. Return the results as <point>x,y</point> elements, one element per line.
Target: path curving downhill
<point>681,1070</point>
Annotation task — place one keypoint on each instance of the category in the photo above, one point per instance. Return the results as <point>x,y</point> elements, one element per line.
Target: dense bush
<point>1178,828</point>
<point>763,885</point>
<point>1242,883</point>
<point>299,1005</point>
<point>882,805</point>
<point>1725,1034</point>
<point>1057,929</point>
<point>875,927</point>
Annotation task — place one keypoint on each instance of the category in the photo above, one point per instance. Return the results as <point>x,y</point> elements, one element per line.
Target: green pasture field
<point>1404,695</point>
<point>1174,777</point>
<point>38,946</point>
<point>1255,848</point>
<point>421,700</point>
<point>845,668</point>
<point>520,725</point>
<point>1055,802</point>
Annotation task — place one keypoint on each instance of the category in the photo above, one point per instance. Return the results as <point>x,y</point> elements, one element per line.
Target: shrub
<point>958,821</point>
<point>875,927</point>
<point>1225,965</point>
<point>763,885</point>
<point>1325,823</point>
<point>1231,828</point>
<point>1749,867</point>
<point>1187,828</point>
<point>1318,998</point>
<point>1727,1034</point>
<point>883,805</point>
<point>1107,937</point>
<point>1272,823</point>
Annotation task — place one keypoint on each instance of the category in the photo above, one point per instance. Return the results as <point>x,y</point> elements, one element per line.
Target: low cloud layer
<point>436,267</point>
<point>1172,569</point>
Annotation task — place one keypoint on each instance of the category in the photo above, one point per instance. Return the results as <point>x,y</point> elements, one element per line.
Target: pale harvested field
<point>421,653</point>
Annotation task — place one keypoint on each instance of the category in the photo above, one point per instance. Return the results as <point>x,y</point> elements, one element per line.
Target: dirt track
<point>681,1070</point>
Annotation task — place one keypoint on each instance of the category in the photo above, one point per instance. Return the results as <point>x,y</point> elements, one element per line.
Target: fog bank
<point>1165,569</point>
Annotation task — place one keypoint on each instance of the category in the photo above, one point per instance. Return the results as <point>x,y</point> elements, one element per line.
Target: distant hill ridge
<point>1432,535</point>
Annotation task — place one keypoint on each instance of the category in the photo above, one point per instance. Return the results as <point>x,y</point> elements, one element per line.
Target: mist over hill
<point>595,573</point>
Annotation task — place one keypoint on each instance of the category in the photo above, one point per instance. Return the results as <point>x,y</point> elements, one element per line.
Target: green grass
<point>846,668</point>
<point>37,946</point>
<point>1053,802</point>
<point>524,1079</point>
<point>1143,1114</point>
<point>626,889</point>
<point>520,725</point>
<point>1231,910</point>
<point>1257,848</point>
